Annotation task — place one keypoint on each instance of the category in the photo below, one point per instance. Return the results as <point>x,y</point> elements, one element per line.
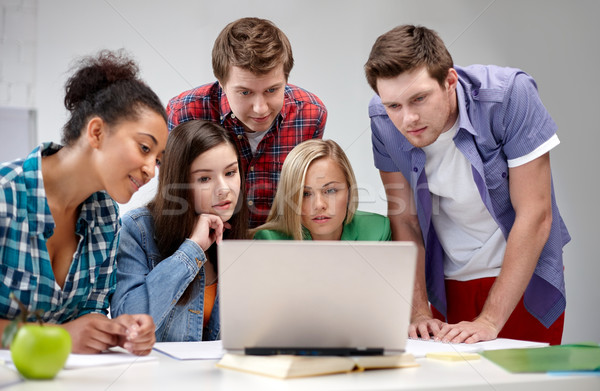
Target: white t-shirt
<point>254,139</point>
<point>473,242</point>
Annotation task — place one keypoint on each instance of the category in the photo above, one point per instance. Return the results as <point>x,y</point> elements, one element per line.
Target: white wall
<point>18,38</point>
<point>555,41</point>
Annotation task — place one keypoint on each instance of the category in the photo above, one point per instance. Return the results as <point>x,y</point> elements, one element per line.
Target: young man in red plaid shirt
<point>267,117</point>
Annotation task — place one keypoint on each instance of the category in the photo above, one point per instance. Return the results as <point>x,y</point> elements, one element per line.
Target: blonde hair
<point>285,214</point>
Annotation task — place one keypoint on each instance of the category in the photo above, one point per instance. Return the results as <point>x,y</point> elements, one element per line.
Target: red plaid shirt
<point>302,117</point>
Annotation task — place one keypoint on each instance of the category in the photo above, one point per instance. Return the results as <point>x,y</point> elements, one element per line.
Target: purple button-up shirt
<point>501,117</point>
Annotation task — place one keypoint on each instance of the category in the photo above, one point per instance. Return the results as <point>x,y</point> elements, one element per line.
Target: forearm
<point>167,282</point>
<point>402,231</point>
<point>420,302</point>
<point>523,248</point>
<point>157,291</point>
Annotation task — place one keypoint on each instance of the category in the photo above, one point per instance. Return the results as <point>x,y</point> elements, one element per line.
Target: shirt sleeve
<point>321,121</point>
<point>382,159</point>
<point>381,126</point>
<point>191,104</point>
<point>174,108</point>
<point>9,282</point>
<point>526,122</point>
<point>142,288</point>
<point>539,151</point>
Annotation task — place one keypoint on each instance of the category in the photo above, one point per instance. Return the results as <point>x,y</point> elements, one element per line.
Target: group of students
<point>243,158</point>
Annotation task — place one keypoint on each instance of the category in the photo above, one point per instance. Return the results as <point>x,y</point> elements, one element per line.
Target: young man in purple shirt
<point>463,154</point>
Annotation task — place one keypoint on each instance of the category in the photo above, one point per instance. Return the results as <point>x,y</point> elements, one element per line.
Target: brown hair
<point>406,48</point>
<point>253,44</point>
<point>172,208</point>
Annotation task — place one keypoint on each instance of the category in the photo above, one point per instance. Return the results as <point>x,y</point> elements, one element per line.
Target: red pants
<point>465,302</point>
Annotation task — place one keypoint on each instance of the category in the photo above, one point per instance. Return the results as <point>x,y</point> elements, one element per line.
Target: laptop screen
<point>315,297</point>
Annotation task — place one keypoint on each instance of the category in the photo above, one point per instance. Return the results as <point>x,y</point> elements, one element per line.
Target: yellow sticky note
<point>453,356</point>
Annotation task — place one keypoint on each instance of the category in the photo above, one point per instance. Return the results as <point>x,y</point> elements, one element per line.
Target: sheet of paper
<point>419,348</point>
<point>111,357</point>
<point>202,350</point>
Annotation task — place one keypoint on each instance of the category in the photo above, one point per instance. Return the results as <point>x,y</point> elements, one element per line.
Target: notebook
<point>315,297</point>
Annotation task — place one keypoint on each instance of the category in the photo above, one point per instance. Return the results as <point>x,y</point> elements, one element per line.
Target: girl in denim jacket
<point>167,259</point>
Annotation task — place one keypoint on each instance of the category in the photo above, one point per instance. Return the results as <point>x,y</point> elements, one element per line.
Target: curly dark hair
<point>106,85</point>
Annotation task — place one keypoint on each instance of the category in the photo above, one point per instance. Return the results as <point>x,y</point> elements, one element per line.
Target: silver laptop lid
<point>315,294</point>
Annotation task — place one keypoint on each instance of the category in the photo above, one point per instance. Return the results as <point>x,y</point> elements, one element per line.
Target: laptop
<point>315,297</point>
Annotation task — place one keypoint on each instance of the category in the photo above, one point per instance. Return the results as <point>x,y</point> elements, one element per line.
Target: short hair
<point>285,214</point>
<point>406,48</point>
<point>253,44</point>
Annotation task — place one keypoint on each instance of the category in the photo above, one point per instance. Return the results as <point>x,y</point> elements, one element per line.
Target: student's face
<point>418,106</point>
<point>255,100</point>
<point>132,149</point>
<point>325,200</point>
<point>216,181</point>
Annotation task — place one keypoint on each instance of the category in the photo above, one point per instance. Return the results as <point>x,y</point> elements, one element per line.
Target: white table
<point>170,374</point>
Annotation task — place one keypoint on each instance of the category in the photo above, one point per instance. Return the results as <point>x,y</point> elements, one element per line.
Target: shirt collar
<point>38,211</point>
<point>224,108</point>
<point>463,106</point>
<point>348,232</point>
<point>43,222</point>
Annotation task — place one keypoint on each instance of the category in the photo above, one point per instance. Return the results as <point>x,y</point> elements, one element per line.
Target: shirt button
<point>250,203</point>
<point>233,116</point>
<point>415,169</point>
<point>251,168</point>
<point>240,136</point>
<point>503,175</point>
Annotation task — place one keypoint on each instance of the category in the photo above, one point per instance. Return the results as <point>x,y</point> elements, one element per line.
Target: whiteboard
<point>17,132</point>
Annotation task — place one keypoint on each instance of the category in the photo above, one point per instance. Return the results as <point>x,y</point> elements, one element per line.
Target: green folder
<point>559,358</point>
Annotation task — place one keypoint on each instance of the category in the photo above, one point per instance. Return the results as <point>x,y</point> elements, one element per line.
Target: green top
<point>364,226</point>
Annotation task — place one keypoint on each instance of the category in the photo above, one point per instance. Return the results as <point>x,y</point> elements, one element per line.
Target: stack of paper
<point>560,358</point>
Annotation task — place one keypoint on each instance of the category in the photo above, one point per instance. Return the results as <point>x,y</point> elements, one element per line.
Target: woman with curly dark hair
<point>59,218</point>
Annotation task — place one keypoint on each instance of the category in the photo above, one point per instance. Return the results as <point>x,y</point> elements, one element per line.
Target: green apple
<point>39,352</point>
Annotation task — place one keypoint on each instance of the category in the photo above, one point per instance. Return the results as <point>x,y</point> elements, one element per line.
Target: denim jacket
<point>145,285</point>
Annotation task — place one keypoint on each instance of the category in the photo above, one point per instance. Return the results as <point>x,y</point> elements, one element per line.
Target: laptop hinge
<point>260,351</point>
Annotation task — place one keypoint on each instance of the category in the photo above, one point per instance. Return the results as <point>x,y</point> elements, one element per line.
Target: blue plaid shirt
<point>25,225</point>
